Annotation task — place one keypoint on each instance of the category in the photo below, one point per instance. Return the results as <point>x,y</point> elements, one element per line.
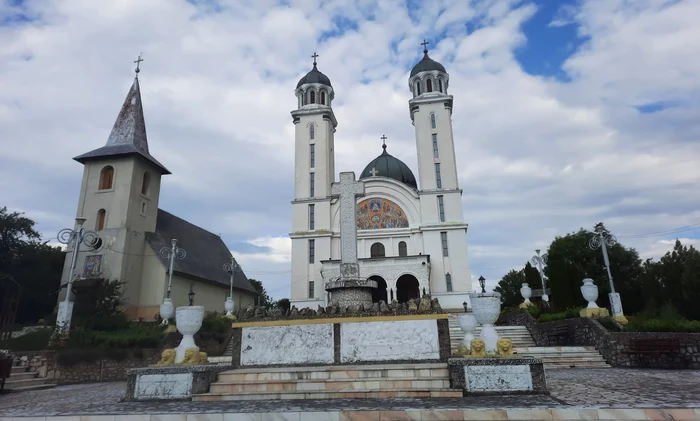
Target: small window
<point>443,237</point>
<point>433,124</point>
<point>429,85</point>
<point>417,87</point>
<point>377,250</point>
<point>435,147</point>
<point>303,98</point>
<point>403,250</point>
<point>101,216</point>
<point>106,178</point>
<point>312,132</point>
<point>312,189</point>
<point>323,97</point>
<point>143,208</point>
<point>312,155</point>
<point>145,183</point>
<point>441,208</point>
<point>312,251</point>
<point>438,178</point>
<point>311,289</point>
<point>312,97</point>
<point>312,216</point>
<point>448,281</point>
<point>440,85</point>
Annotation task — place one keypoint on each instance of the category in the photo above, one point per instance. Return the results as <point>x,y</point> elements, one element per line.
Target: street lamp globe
<point>482,282</point>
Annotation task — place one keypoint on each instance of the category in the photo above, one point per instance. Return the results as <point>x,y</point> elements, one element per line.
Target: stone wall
<point>613,346</point>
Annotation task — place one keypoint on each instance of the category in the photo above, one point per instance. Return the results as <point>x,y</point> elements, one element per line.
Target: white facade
<point>422,230</point>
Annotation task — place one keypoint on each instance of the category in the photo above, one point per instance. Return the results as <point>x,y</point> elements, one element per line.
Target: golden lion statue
<point>461,351</point>
<point>478,348</point>
<point>505,347</point>
<point>194,357</point>
<point>167,357</point>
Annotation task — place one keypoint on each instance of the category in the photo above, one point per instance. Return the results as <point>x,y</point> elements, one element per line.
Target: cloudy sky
<point>566,112</point>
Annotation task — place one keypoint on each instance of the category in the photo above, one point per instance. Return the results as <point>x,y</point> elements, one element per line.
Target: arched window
<point>145,183</point>
<point>323,97</point>
<point>101,216</point>
<point>403,249</point>
<point>418,87</point>
<point>429,87</point>
<point>106,178</point>
<point>377,250</point>
<point>432,121</point>
<point>303,98</point>
<point>440,85</point>
<point>312,132</point>
<point>312,97</point>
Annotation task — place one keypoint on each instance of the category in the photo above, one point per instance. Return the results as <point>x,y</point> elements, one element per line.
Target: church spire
<point>128,135</point>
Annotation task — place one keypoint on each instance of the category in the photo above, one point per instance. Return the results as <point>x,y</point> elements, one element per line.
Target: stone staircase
<point>523,344</point>
<point>22,379</point>
<point>333,382</point>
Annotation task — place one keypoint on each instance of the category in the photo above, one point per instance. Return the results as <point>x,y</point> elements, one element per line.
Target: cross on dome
<point>315,56</point>
<point>425,46</point>
<point>383,141</point>
<point>138,62</point>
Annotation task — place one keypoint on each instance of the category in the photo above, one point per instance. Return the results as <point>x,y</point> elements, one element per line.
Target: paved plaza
<point>578,388</point>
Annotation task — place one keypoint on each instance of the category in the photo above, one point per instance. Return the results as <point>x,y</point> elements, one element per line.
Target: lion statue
<point>203,358</point>
<point>191,356</point>
<point>461,351</point>
<point>478,348</point>
<point>167,357</point>
<point>505,347</point>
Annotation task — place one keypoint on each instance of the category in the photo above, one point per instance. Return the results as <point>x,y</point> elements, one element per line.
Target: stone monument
<point>350,290</point>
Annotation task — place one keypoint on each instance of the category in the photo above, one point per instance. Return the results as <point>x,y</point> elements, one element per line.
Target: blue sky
<point>566,113</point>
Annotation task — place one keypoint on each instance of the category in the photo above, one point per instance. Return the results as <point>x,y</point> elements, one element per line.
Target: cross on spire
<point>315,56</point>
<point>425,46</point>
<point>138,62</point>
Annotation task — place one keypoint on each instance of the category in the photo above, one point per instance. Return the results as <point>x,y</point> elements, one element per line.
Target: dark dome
<point>426,64</point>
<point>314,76</point>
<point>386,165</point>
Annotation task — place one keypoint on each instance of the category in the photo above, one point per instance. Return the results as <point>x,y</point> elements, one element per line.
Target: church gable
<point>378,213</point>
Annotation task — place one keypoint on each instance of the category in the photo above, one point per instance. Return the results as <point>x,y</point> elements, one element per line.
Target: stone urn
<point>590,292</point>
<point>166,310</point>
<point>526,292</point>
<point>228,306</point>
<point>188,320</point>
<point>486,308</point>
<point>467,322</point>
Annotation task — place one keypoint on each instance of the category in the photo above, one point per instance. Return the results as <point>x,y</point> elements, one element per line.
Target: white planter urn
<point>188,320</point>
<point>486,308</point>
<point>526,292</point>
<point>228,306</point>
<point>590,292</point>
<point>166,310</point>
<point>468,324</point>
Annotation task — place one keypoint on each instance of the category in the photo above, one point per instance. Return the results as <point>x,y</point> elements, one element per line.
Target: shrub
<point>214,323</point>
<point>534,311</point>
<point>106,323</point>
<point>609,324</point>
<point>637,324</point>
<point>570,313</point>
<point>33,341</point>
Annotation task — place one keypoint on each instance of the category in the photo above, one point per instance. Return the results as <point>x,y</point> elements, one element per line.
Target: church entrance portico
<point>379,293</point>
<point>407,287</point>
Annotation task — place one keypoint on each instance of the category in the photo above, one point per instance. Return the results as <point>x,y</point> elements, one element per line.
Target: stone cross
<point>374,172</point>
<point>348,190</point>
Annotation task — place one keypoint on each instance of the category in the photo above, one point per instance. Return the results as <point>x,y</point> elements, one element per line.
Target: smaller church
<point>119,201</point>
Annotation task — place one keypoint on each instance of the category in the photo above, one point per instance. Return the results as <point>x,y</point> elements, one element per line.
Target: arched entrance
<point>407,288</point>
<point>379,293</point>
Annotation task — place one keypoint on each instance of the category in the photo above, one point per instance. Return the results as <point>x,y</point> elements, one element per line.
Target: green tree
<point>509,288</point>
<point>283,304</point>
<point>16,231</point>
<point>532,276</point>
<point>263,299</point>
<point>678,275</point>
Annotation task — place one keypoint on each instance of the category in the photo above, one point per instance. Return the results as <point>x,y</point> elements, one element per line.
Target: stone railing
<point>613,346</point>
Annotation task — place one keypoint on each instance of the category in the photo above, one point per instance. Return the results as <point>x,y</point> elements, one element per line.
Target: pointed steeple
<point>128,134</point>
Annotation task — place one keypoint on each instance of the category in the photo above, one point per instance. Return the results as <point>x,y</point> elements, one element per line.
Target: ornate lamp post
<point>539,261</point>
<point>482,283</point>
<point>172,253</point>
<point>75,237</point>
<point>603,239</point>
<point>231,268</point>
<point>191,295</point>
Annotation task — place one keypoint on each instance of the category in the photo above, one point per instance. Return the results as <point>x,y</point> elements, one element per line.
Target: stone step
<point>19,369</point>
<point>557,349</point>
<point>355,394</point>
<point>330,385</point>
<point>23,375</point>
<point>15,384</point>
<point>28,388</point>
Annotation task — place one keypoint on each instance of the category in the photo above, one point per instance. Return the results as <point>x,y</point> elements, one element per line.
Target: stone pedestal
<point>351,290</point>
<point>486,307</point>
<point>188,321</point>
<point>497,375</point>
<point>170,383</point>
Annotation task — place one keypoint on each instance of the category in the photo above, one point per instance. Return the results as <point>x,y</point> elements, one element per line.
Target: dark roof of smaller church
<point>206,252</point>
<point>314,76</point>
<point>427,64</point>
<point>128,135</point>
<point>386,165</point>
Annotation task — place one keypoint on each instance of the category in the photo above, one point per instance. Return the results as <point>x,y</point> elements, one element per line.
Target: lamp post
<point>482,282</point>
<point>172,253</point>
<point>466,307</point>
<point>75,237</point>
<point>191,295</point>
<point>231,268</point>
<point>603,239</point>
<point>539,261</point>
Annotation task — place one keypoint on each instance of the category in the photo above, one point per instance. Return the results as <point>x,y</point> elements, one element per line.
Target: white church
<point>411,235</point>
